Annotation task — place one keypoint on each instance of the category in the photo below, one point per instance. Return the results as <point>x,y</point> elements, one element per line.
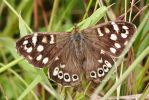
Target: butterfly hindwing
<point>102,63</point>
<point>97,62</point>
<point>66,69</point>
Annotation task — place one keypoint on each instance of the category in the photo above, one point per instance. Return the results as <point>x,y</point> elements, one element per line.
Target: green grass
<point>20,80</point>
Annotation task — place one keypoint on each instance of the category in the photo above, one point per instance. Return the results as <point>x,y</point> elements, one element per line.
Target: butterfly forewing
<point>112,36</point>
<point>40,48</point>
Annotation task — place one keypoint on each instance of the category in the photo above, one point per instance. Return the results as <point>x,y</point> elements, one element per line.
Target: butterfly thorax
<point>77,42</point>
<point>77,38</point>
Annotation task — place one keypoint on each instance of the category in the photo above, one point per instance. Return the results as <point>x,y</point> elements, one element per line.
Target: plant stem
<point>10,64</point>
<point>127,72</point>
<point>88,7</point>
<point>54,10</point>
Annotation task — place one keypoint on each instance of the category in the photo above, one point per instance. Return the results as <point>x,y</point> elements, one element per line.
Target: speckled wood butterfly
<point>71,55</point>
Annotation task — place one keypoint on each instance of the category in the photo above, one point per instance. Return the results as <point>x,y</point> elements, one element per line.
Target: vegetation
<point>19,80</point>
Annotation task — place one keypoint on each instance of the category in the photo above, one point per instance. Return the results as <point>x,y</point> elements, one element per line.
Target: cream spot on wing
<point>62,65</point>
<point>123,35</point>
<point>25,48</point>
<point>102,52</point>
<point>100,60</point>
<point>52,39</point>
<point>67,77</point>
<point>108,64</point>
<point>125,27</point>
<point>44,39</point>
<point>45,60</point>
<point>113,37</point>
<point>99,32</point>
<point>106,30</point>
<point>117,45</point>
<point>39,57</point>
<point>29,50</point>
<point>34,39</point>
<point>105,68</point>
<point>113,50</point>
<point>126,42</point>
<point>115,26</point>
<point>93,74</point>
<point>56,58</point>
<point>60,74</point>
<point>75,77</point>
<point>55,71</point>
<point>127,32</point>
<point>100,72</point>
<point>25,42</point>
<point>40,48</point>
<point>29,57</point>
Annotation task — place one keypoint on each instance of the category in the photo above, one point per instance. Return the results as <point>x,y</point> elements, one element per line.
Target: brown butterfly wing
<point>40,48</point>
<point>112,36</point>
<point>66,69</point>
<point>103,43</point>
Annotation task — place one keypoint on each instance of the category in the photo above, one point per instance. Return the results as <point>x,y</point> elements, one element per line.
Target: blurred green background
<point>20,80</point>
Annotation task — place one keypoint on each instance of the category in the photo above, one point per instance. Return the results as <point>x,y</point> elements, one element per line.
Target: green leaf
<point>93,19</point>
<point>30,87</point>
<point>22,27</point>
<point>143,45</point>
<point>144,42</point>
<point>80,96</point>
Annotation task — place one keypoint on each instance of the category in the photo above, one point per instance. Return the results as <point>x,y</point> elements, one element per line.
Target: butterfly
<point>72,55</point>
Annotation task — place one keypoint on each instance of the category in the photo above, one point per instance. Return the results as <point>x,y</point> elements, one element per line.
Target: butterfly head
<point>75,29</point>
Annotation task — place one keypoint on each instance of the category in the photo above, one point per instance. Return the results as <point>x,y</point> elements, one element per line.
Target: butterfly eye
<point>29,44</point>
<point>123,31</point>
